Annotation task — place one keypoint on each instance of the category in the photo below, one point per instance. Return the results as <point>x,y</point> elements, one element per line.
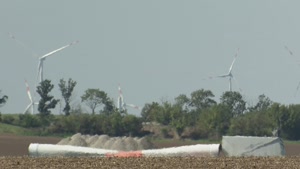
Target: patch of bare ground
<point>158,162</point>
<point>14,154</point>
<point>12,145</point>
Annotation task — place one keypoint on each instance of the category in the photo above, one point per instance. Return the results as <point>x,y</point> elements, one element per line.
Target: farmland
<point>14,154</point>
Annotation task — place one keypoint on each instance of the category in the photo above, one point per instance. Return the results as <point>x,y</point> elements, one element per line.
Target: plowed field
<point>14,150</point>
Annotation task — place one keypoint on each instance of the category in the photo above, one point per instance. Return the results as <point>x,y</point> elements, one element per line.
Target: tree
<point>234,101</point>
<point>66,92</point>
<point>215,121</point>
<point>262,105</point>
<point>178,119</point>
<point>252,124</point>
<point>132,125</point>
<point>47,101</point>
<point>291,126</point>
<point>94,98</point>
<point>3,100</point>
<point>202,99</point>
<point>109,106</point>
<point>151,112</point>
<point>183,101</point>
<point>280,116</point>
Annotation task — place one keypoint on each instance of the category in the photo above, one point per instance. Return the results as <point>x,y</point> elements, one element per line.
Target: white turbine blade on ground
<point>22,44</point>
<point>57,50</point>
<point>236,54</point>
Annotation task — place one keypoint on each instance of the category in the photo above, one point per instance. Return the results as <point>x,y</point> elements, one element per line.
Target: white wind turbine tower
<point>229,74</point>
<point>121,104</point>
<point>32,103</point>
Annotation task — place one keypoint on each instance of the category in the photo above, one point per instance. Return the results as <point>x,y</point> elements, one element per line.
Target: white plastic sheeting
<point>252,146</point>
<point>42,150</point>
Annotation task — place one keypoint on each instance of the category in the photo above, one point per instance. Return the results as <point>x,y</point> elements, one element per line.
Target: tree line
<point>197,116</point>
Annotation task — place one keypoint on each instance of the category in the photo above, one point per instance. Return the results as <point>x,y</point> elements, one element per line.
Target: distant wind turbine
<point>121,104</point>
<point>32,103</point>
<point>229,74</point>
<point>291,53</point>
<point>42,58</point>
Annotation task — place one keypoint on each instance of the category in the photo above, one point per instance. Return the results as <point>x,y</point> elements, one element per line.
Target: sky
<point>155,49</point>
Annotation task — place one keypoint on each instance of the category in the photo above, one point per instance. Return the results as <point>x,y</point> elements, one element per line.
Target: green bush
<point>29,121</point>
<point>8,119</point>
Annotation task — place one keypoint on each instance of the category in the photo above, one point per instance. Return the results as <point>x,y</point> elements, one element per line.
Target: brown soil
<point>11,145</point>
<point>14,154</point>
<point>150,163</point>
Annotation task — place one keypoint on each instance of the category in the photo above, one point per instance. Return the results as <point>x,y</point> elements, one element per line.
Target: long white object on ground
<point>47,150</point>
<point>208,150</point>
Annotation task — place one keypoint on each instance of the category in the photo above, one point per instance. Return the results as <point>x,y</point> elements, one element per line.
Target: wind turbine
<point>229,74</point>
<point>32,103</point>
<point>121,104</point>
<point>42,58</point>
<point>291,53</point>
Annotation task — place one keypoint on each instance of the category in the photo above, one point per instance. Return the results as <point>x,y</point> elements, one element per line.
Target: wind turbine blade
<point>28,91</point>
<point>291,53</point>
<point>226,75</point>
<point>133,106</point>
<point>236,54</point>
<point>22,44</point>
<point>297,89</point>
<point>57,50</point>
<point>209,77</point>
<point>213,77</point>
<point>27,108</point>
<point>39,70</point>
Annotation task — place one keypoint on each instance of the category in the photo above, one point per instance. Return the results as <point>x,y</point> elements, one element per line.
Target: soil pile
<point>106,142</point>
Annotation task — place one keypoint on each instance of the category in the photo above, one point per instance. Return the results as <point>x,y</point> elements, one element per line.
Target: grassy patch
<point>291,142</point>
<point>10,129</point>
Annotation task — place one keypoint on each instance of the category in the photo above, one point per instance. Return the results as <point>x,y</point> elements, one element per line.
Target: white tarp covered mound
<point>252,146</point>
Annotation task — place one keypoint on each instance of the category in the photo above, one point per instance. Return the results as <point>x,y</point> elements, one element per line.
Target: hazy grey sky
<point>155,49</point>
